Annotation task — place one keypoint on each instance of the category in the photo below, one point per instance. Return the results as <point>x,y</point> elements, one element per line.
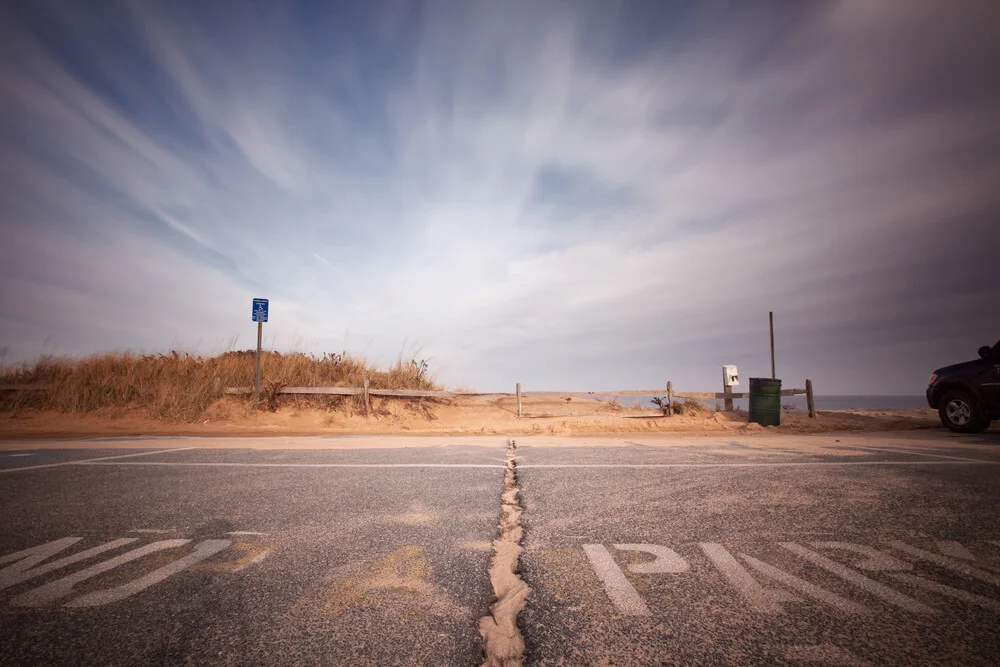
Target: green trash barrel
<point>765,401</point>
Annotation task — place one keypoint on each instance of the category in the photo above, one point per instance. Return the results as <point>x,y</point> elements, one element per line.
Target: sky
<point>570,195</point>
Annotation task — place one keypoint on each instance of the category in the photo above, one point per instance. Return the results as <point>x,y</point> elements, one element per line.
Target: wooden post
<point>256,382</point>
<point>518,400</point>
<point>810,401</point>
<point>770,317</point>
<point>728,391</point>
<point>366,397</point>
<point>670,398</point>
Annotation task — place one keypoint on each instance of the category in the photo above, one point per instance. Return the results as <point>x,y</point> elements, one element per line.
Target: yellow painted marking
<point>399,578</point>
<point>254,554</point>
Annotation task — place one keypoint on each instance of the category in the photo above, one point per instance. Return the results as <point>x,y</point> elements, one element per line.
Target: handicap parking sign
<point>259,311</point>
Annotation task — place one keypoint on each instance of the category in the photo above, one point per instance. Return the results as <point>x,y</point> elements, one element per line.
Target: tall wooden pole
<point>810,400</point>
<point>518,400</point>
<point>727,391</point>
<point>770,316</point>
<point>256,382</point>
<point>670,398</point>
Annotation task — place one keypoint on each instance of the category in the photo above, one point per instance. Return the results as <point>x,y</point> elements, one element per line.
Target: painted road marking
<point>627,600</point>
<point>621,593</point>
<point>667,560</point>
<point>861,581</point>
<point>200,553</point>
<point>916,453</point>
<point>95,461</point>
<point>27,564</point>
<point>25,569</point>
<point>765,600</point>
<point>772,464</point>
<point>235,464</point>
<point>878,561</point>
<point>60,588</point>
<point>948,591</point>
<point>954,549</point>
<point>153,531</point>
<point>804,587</point>
<point>254,555</point>
<point>944,561</point>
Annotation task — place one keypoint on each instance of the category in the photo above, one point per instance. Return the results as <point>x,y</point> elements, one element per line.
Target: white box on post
<point>730,376</point>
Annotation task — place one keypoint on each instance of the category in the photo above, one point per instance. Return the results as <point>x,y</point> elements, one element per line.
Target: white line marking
<point>772,464</point>
<point>621,593</point>
<point>62,587</point>
<point>94,461</point>
<point>804,587</point>
<point>945,562</point>
<point>200,553</point>
<point>18,455</point>
<point>917,453</point>
<point>667,560</point>
<point>155,531</point>
<point>37,554</point>
<point>954,549</point>
<point>23,571</point>
<point>958,594</point>
<point>765,600</point>
<point>231,464</point>
<point>878,561</point>
<point>244,532</point>
<point>861,581</point>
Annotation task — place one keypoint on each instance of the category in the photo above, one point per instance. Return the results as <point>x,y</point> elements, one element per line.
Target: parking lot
<point>834,549</point>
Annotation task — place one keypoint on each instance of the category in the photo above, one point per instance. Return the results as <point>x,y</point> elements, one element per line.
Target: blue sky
<point>567,195</point>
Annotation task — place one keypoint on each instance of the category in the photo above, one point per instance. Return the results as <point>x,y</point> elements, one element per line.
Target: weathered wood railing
<point>366,392</point>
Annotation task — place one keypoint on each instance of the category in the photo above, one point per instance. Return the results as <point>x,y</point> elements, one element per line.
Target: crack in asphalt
<point>503,645</point>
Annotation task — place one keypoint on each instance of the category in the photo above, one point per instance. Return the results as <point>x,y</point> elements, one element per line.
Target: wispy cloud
<point>563,195</point>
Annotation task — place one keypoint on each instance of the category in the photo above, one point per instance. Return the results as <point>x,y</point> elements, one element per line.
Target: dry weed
<point>180,386</point>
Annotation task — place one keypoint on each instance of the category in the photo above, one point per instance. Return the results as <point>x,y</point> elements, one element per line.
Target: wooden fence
<point>669,394</point>
<point>366,392</point>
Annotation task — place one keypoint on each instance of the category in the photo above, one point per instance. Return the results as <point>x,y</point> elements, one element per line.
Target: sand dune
<point>470,416</point>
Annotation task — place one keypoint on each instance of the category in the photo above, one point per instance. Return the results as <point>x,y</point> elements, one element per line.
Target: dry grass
<point>684,406</point>
<point>180,387</point>
<point>691,407</point>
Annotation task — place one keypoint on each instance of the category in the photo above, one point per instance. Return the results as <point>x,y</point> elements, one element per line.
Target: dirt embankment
<point>460,416</point>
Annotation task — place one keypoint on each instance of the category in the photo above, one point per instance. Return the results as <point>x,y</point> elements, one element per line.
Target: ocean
<point>831,402</point>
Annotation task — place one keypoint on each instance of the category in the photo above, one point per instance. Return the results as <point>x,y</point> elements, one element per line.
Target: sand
<point>463,416</point>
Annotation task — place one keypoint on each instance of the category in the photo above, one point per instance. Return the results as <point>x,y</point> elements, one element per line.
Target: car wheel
<point>961,413</point>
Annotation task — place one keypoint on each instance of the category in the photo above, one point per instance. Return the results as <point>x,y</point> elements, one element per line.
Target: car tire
<point>961,413</point>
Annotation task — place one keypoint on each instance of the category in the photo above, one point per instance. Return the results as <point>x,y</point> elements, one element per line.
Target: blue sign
<point>259,311</point>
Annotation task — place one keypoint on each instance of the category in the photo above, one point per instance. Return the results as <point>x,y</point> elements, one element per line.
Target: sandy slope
<point>471,416</point>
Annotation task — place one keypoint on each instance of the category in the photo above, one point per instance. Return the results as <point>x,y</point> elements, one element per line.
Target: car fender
<point>956,384</point>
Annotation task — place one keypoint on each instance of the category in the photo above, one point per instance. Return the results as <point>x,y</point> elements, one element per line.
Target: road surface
<point>833,549</point>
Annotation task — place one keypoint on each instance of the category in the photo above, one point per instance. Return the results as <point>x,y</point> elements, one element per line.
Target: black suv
<point>967,395</point>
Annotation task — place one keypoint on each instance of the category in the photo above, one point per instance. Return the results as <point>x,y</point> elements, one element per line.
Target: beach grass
<point>180,386</point>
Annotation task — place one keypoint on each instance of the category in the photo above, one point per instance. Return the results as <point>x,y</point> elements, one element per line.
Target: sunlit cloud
<point>565,195</point>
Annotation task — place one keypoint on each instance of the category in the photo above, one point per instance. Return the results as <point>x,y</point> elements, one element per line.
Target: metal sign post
<point>258,314</point>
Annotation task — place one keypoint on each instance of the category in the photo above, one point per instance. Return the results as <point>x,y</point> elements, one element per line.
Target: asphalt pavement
<point>854,549</point>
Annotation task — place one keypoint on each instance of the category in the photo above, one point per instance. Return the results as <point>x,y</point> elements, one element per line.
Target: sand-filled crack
<point>503,645</point>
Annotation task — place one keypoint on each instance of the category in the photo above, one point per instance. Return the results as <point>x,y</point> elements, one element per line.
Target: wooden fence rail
<point>367,392</point>
<point>669,394</point>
